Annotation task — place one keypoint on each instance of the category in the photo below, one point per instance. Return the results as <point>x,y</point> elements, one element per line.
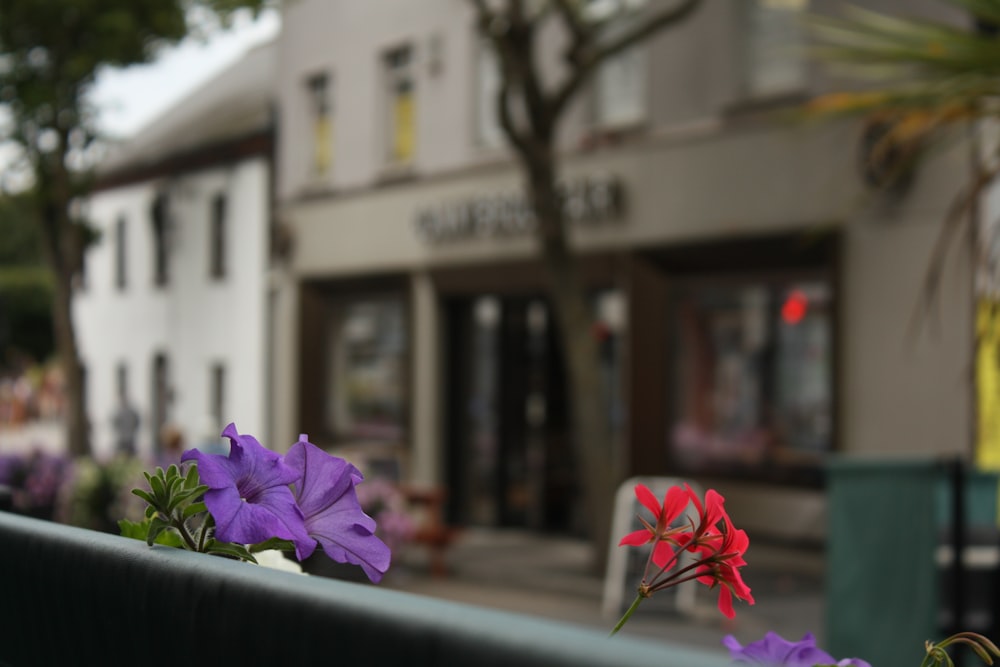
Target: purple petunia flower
<point>775,651</point>
<point>248,494</point>
<point>333,516</point>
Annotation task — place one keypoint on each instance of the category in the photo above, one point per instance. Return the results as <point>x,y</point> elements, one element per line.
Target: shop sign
<point>593,200</point>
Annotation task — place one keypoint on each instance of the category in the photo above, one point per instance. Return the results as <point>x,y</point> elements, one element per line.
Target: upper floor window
<point>488,130</point>
<point>217,237</point>
<point>319,88</point>
<point>400,111</point>
<point>217,393</point>
<point>774,54</point>
<point>620,81</point>
<point>621,89</point>
<point>159,216</point>
<point>121,253</point>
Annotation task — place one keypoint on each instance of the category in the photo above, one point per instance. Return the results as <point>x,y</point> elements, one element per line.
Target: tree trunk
<point>598,470</point>
<point>75,418</point>
<point>62,251</point>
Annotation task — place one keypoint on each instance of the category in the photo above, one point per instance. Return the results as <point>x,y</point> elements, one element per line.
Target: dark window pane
<point>752,374</point>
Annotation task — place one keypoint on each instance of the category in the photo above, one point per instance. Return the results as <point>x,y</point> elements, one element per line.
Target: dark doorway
<point>509,458</point>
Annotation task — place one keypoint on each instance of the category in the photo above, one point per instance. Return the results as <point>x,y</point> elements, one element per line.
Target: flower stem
<point>178,523</point>
<point>628,614</point>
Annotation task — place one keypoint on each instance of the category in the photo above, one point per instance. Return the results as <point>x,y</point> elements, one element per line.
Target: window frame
<point>159,215</point>
<point>321,303</point>
<point>319,91</point>
<point>121,253</point>
<point>399,148</point>
<point>789,466</point>
<point>757,50</point>
<point>218,234</point>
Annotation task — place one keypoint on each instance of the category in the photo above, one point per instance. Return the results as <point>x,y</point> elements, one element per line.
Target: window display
<point>366,393</point>
<point>752,379</point>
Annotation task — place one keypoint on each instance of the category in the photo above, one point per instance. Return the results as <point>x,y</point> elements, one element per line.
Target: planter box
<point>70,596</point>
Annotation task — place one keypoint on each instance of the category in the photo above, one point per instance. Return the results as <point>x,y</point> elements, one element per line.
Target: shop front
<point>745,339</point>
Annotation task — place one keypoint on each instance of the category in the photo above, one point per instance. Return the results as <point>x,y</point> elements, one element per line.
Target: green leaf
<point>156,526</point>
<point>181,496</point>
<point>192,509</point>
<point>173,484</point>
<point>170,538</point>
<point>229,549</point>
<point>185,494</point>
<point>192,479</point>
<point>145,496</point>
<point>136,530</point>
<point>273,543</point>
<point>158,487</point>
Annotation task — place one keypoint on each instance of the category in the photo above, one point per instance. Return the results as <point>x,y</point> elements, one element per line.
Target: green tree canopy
<point>51,52</point>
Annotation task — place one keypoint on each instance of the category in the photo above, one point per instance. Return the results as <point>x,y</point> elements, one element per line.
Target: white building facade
<point>172,310</point>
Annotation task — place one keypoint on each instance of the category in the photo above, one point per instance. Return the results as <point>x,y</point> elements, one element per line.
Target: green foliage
<point>20,242</point>
<point>176,516</point>
<point>915,63</point>
<point>50,54</point>
<point>25,313</point>
<point>170,497</point>
<point>98,493</point>
<point>138,530</point>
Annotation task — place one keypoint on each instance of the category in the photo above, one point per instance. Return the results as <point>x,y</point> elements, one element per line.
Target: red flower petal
<point>637,538</point>
<point>675,502</point>
<point>646,497</point>
<point>726,602</point>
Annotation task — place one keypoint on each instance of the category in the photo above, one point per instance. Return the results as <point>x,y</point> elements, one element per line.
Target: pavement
<point>554,578</point>
<point>47,436</point>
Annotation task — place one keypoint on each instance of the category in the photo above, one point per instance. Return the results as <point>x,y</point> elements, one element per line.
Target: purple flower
<point>324,491</point>
<point>775,651</point>
<point>248,494</point>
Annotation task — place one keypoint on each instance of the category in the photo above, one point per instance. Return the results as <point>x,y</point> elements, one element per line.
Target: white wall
<point>196,321</point>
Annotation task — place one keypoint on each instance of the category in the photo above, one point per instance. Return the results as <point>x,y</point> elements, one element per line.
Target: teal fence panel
<point>886,591</point>
<point>882,580</point>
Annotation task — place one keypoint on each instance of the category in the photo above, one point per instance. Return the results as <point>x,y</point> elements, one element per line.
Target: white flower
<point>275,559</point>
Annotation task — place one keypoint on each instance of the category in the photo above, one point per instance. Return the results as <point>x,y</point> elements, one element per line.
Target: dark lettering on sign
<point>587,201</point>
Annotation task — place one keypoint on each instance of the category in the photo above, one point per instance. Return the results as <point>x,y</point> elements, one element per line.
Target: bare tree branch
<point>507,120</point>
<point>588,62</point>
<point>486,14</point>
<point>582,34</point>
<point>957,214</point>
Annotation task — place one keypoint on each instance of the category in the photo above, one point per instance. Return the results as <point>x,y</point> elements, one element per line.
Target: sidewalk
<point>48,436</point>
<point>550,577</point>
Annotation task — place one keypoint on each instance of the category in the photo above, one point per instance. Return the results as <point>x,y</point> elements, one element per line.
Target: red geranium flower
<point>665,538</point>
<point>717,544</point>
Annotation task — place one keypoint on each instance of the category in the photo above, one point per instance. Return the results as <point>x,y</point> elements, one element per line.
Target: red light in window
<point>794,308</point>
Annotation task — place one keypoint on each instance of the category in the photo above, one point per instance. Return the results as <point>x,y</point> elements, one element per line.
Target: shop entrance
<point>509,458</point>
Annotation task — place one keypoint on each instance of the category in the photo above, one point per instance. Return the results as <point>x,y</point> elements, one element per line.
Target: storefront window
<point>366,378</point>
<point>752,380</point>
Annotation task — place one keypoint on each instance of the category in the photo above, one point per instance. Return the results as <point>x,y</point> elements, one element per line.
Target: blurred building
<point>172,307</point>
<point>753,294</point>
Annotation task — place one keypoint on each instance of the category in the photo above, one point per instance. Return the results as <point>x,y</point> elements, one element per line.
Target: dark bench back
<point>76,597</point>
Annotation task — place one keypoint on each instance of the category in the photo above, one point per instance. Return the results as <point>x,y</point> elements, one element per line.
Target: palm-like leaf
<point>914,64</point>
<point>920,76</point>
